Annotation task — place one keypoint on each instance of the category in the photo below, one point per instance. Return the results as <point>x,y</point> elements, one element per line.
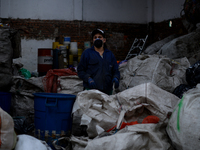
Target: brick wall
<point>120,36</point>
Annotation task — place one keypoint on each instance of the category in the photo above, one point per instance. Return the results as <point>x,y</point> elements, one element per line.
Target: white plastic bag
<point>27,142</point>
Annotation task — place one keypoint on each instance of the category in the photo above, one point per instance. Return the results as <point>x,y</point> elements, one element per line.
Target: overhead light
<point>170,23</point>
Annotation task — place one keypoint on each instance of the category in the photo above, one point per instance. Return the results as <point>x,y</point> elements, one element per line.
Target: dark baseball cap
<point>98,31</point>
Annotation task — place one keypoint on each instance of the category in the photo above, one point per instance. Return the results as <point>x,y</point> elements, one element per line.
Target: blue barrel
<point>53,117</point>
<point>5,101</point>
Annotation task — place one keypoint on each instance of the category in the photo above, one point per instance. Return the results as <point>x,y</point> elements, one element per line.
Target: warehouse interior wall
<point>129,11</point>
<point>41,22</point>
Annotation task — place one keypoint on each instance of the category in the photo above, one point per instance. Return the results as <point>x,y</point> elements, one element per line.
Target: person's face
<point>99,36</point>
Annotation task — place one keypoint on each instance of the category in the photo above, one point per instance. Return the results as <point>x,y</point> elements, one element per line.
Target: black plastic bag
<point>21,125</point>
<point>193,74</point>
<point>191,9</point>
<point>181,89</point>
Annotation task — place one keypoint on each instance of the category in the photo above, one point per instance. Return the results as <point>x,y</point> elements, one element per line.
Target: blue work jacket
<point>101,70</point>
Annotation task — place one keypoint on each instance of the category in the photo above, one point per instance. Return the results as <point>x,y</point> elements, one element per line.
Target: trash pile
<point>155,106</point>
<point>100,113</point>
<point>179,47</point>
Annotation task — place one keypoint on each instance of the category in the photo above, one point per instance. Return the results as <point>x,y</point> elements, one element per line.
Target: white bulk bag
<point>7,133</point>
<point>27,142</point>
<point>101,111</point>
<point>184,125</point>
<point>160,70</point>
<point>70,84</point>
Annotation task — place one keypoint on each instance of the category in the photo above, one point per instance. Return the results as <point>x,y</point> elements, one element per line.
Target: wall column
<point>78,10</point>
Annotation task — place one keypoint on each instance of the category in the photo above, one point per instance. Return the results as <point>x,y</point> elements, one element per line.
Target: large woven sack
<point>157,69</point>
<point>70,84</point>
<point>155,47</point>
<point>100,111</point>
<point>135,137</point>
<point>184,124</point>
<point>183,46</point>
<point>8,136</point>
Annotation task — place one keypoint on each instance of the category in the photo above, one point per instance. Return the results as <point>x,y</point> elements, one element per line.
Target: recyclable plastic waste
<point>22,126</point>
<point>193,74</point>
<point>181,89</point>
<point>25,73</point>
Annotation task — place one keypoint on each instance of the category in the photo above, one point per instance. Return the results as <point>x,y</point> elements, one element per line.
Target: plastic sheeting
<point>184,124</point>
<point>157,69</point>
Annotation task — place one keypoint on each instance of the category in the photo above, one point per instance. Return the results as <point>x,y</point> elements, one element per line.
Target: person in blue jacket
<point>98,67</point>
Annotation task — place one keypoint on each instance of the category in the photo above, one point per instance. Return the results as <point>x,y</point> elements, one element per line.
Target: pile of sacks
<point>100,112</point>
<point>146,90</point>
<point>175,129</point>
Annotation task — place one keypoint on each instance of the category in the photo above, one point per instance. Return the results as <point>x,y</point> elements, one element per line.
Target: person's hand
<point>91,83</point>
<point>116,81</point>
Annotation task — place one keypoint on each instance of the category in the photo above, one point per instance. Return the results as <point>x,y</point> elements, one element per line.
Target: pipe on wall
<point>150,11</point>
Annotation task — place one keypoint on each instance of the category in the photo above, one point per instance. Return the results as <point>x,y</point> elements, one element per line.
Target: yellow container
<point>55,44</point>
<point>80,51</point>
<point>71,58</point>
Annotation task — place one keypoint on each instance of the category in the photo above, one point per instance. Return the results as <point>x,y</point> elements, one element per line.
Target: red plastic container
<point>45,60</point>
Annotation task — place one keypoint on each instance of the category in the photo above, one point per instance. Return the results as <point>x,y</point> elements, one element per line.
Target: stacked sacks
<point>6,53</point>
<point>100,112</point>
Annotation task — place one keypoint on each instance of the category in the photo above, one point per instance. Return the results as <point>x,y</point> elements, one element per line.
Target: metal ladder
<point>137,44</point>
